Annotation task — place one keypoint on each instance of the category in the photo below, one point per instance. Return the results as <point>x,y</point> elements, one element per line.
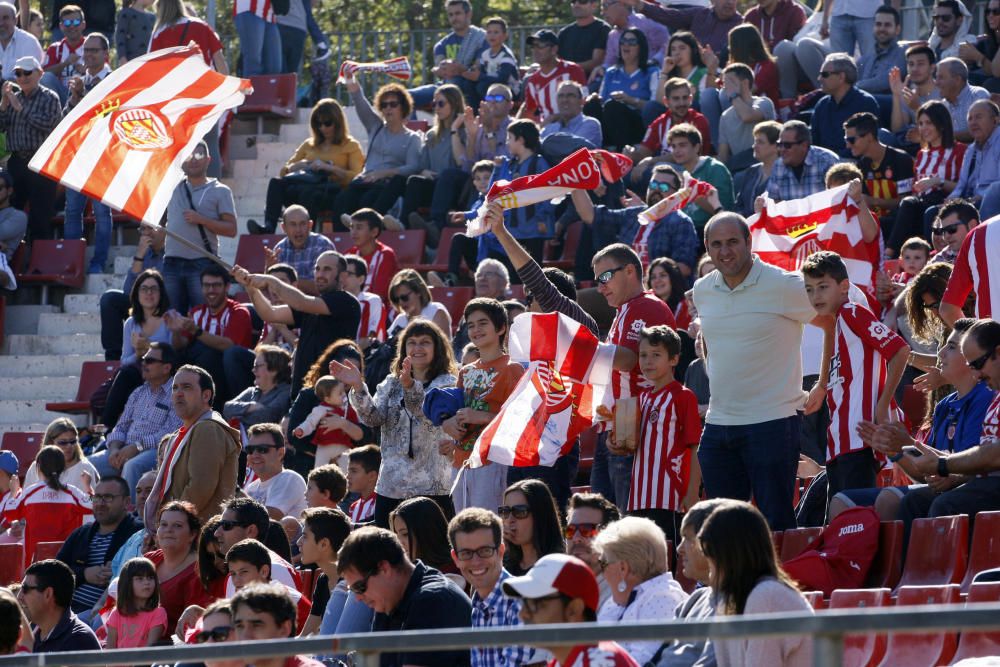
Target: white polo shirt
<point>754,335</point>
<point>22,43</point>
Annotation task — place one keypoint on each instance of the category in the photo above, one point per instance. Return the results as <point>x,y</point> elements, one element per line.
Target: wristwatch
<point>895,458</point>
<point>943,466</point>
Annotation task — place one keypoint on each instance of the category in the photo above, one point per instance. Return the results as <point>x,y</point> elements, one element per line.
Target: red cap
<point>557,573</point>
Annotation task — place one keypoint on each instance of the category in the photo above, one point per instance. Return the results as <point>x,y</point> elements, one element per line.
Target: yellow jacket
<point>347,156</point>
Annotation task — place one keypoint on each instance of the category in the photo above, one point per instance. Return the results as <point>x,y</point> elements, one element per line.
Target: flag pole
<point>189,245</point>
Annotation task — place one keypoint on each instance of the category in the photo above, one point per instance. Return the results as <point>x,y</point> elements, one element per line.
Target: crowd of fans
<point>273,465</point>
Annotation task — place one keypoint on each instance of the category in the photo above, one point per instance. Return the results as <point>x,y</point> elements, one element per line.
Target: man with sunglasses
<point>801,171</point>
<point>281,491</point>
<point>404,595</point>
<point>245,518</point>
<point>977,263</point>
<point>952,23</point>
<point>888,171</point>
<point>837,78</point>
<point>45,596</point>
<point>954,220</point>
<point>477,548</point>
<point>587,515</point>
<point>64,59</point>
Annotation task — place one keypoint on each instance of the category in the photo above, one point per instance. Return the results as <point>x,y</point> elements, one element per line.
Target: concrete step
<point>82,303</point>
<point>65,324</point>
<point>99,283</point>
<point>24,319</point>
<point>89,344</point>
<point>38,388</point>
<point>14,411</point>
<point>43,365</point>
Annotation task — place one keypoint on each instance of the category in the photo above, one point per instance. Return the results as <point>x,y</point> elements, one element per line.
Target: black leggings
<point>467,248</point>
<point>379,196</point>
<point>621,125</point>
<point>910,218</point>
<point>385,505</point>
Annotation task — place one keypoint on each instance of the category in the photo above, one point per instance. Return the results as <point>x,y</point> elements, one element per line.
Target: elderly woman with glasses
<point>79,471</point>
<point>269,398</point>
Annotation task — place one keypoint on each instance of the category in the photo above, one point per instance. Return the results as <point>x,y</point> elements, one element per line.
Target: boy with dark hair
<point>666,479</point>
<point>326,486</point>
<point>486,383</point>
<point>863,362</point>
<point>267,611</point>
<point>373,310</point>
<point>249,562</point>
<point>366,225</point>
<point>362,475</point>
<point>323,533</point>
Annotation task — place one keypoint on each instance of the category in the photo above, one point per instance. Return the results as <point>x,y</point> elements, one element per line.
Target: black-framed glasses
<point>21,73</point>
<point>361,587</point>
<point>518,511</point>
<point>932,306</point>
<point>978,363</point>
<point>789,144</point>
<point>259,449</point>
<point>146,361</point>
<point>482,552</point>
<point>402,298</point>
<point>993,12</point>
<point>948,229</point>
<point>228,524</point>
<point>219,634</point>
<point>827,74</point>
<point>27,588</point>
<point>850,140</point>
<point>533,604</point>
<point>606,277</point>
<point>149,289</point>
<point>587,530</point>
<point>71,23</point>
<point>104,497</point>
<point>389,104</point>
<point>661,186</point>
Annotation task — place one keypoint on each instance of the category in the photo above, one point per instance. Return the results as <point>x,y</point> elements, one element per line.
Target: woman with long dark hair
<point>422,529</point>
<point>531,525</point>
<point>683,59</point>
<point>212,568</point>
<point>627,87</point>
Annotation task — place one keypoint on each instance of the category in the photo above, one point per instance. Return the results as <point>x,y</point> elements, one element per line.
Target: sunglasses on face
<point>70,23</point>
<point>495,98</point>
<point>440,103</point>
<point>389,104</point>
<point>949,229</point>
<point>482,552</point>
<point>850,140</point>
<point>403,298</point>
<point>628,41</point>
<point>218,634</point>
<point>661,186</point>
<point>518,511</point>
<point>587,530</point>
<point>932,306</point>
<point>827,75</point>
<point>977,364</point>
<point>21,73</point>
<point>66,443</point>
<point>27,588</point>
<point>606,277</point>
<point>785,145</point>
<point>361,587</point>
<point>993,12</point>
<point>228,524</point>
<point>146,361</point>
<point>260,449</point>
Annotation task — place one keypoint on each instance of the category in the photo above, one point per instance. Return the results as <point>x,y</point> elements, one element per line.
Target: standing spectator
<point>292,28</point>
<point>115,304</point>
<point>778,22</point>
<point>979,179</point>
<point>751,437</point>
<point>952,79</point>
<point>63,59</point>
<point>655,147</point>
<point>455,54</point>
<point>301,246</point>
<point>13,224</point>
<point>842,100</point>
<point>737,123</point>
<point>281,491</point>
<point>711,25</point>
<point>621,16</point>
<point>627,87</point>
<point>952,23</point>
<point>685,146</point>
<point>133,30</point>
<point>888,171</point>
<point>849,22</point>
<point>913,91</point>
<point>584,41</point>
<point>14,42</point>
<point>199,462</point>
<point>569,117</point>
<point>28,113</point>
<point>78,471</point>
<point>269,398</point>
<point>802,168</point>
<point>887,53</point>
<point>200,208</point>
<point>260,39</point>
<point>752,182</point>
<point>541,86</point>
<point>531,525</point>
<point>45,595</point>
<point>586,516</point>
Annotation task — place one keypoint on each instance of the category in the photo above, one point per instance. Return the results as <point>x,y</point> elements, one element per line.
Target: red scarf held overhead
<point>397,68</point>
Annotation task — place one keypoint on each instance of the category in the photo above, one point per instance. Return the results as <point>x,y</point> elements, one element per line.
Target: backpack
<point>378,362</point>
<point>558,145</point>
<point>842,555</point>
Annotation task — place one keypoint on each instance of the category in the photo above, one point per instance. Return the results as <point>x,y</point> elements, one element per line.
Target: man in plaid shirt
<point>801,171</point>
<point>300,248</point>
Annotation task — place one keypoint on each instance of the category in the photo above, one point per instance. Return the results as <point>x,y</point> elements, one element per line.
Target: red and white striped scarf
<point>691,189</point>
<point>397,68</point>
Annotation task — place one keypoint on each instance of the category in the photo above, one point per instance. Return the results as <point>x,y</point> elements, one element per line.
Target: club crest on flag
<point>142,129</point>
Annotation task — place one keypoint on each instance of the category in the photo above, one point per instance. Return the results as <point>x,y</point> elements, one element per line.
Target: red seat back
<point>796,540</point>
<point>454,299</point>
<point>250,251</point>
<point>58,262</point>
<point>778,538</point>
<point>92,375</point>
<point>862,650</point>
<point>25,447</point>
<point>418,125</point>
<point>815,599</point>
<point>980,644</point>
<point>440,261</point>
<point>11,563</point>
<point>308,582</point>
<point>567,257</point>
<point>938,551</point>
<point>46,550</point>
<point>985,551</point>
<point>273,94</point>
<point>408,244</point>
<point>914,406</point>
<point>888,564</point>
<point>927,648</point>
<point>517,292</point>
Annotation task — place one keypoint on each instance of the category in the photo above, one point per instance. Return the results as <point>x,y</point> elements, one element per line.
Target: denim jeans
<point>293,44</point>
<point>134,468</point>
<point>845,30</point>
<point>712,105</point>
<point>183,280</point>
<point>260,44</point>
<point>754,460</point>
<point>73,227</point>
<point>611,475</point>
<point>52,81</point>
<point>990,206</point>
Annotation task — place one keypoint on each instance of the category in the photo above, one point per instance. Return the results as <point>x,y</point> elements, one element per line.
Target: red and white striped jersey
<point>362,510</point>
<point>373,316</point>
<point>60,53</point>
<point>605,654</point>
<point>991,423</point>
<point>232,322</point>
<point>977,268</point>
<point>540,88</point>
<point>382,266</point>
<point>662,465</point>
<point>644,310</point>
<point>49,515</point>
<point>862,347</point>
<point>939,162</point>
<point>261,8</point>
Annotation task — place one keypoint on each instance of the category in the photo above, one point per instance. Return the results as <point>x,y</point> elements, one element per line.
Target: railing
<point>827,628</point>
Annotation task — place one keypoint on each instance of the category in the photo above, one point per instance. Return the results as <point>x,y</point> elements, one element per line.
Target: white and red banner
<point>786,233</point>
<point>125,142</point>
<point>397,68</point>
<point>569,372</point>
<point>579,171</point>
<point>691,189</point>
<point>613,165</point>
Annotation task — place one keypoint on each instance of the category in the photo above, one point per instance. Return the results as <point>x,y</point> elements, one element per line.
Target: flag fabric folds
<point>125,141</point>
<point>397,68</point>
<point>555,400</point>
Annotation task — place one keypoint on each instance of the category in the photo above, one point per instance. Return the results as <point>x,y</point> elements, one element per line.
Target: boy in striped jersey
<point>666,478</point>
<point>362,474</point>
<point>864,361</point>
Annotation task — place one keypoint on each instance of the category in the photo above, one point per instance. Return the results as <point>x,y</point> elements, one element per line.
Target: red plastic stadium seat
<point>46,550</point>
<point>418,125</point>
<point>55,263</point>
<point>891,267</point>
<point>341,241</point>
<point>927,648</point>
<point>938,551</point>
<point>454,299</point>
<point>980,644</point>
<point>440,261</point>
<point>797,540</point>
<point>914,406</point>
<point>308,582</point>
<point>273,95</point>
<point>778,537</point>
<point>517,292</point>
<point>888,564</point>
<point>250,251</point>
<point>567,258</point>
<point>11,563</point>
<point>409,246</point>
<point>92,375</point>
<point>25,447</point>
<point>815,599</point>
<point>588,445</point>
<point>862,650</point>
<point>985,551</point>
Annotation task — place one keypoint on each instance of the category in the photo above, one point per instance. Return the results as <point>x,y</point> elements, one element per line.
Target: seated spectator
<point>665,280</point>
<point>492,282</point>
<point>268,399</point>
<point>393,149</point>
<point>674,235</point>
<point>45,595</point>
<point>747,579</point>
<point>633,552</point>
<point>874,66</point>
<point>586,516</point>
<point>738,121</point>
<point>888,172</point>
<point>952,79</point>
<point>324,530</point>
<point>936,172</point>
<point>133,546</point>
<point>249,563</point>
<point>148,416</point>
<point>911,92</point>
<point>752,182</point>
<point>802,167</point>
<point>981,55</point>
<point>77,471</point>
<point>90,548</point>
<point>326,486</point>
<point>455,55</point>
<point>421,528</point>
<point>569,117</point>
<point>281,491</point>
<point>322,165</point>
<point>16,634</point>
<point>412,299</point>
<point>979,178</point>
<point>655,148</point>
<point>65,58</point>
<point>366,225</point>
<point>778,22</point>
<point>584,41</point>
<point>267,611</point>
<point>115,304</point>
<point>216,335</point>
<point>685,146</point>
<point>13,224</point>
<point>541,85</point>
<point>485,136</point>
<point>621,16</point>
<point>684,59</point>
<point>340,428</point>
<point>405,595</point>
<point>626,88</point>
<point>952,23</point>
<point>531,525</point>
<point>373,309</point>
<point>497,63</point>
<point>137,620</point>
<point>50,510</point>
<point>562,589</point>
<point>244,518</point>
<point>426,187</point>
<point>133,28</point>
<point>842,100</point>
<point>362,477</point>
<point>955,219</point>
<point>25,42</point>
<point>299,249</point>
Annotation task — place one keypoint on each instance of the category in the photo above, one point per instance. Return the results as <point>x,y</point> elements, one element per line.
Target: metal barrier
<point>826,627</point>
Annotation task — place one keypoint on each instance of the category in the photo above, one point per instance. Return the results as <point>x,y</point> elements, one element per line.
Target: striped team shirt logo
<point>142,129</point>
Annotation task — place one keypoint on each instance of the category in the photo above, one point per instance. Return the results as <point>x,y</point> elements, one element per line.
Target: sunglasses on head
<point>218,634</point>
<point>259,449</point>
<point>948,229</point>
<point>495,98</point>
<point>606,277</point>
<point>518,511</point>
<point>389,104</point>
<point>977,364</point>
<point>587,530</point>
<point>69,23</point>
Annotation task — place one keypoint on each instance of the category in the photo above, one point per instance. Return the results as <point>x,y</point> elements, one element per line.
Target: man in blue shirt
<point>979,179</point>
<point>843,99</point>
<point>570,118</point>
<point>454,55</point>
<point>873,68</point>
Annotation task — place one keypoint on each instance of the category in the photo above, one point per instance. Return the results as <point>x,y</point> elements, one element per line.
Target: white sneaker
<point>392,224</point>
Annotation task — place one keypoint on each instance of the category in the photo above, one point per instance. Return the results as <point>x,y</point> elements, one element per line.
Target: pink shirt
<point>133,631</point>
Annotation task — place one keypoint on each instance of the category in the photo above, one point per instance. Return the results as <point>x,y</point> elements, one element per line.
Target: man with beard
<point>655,147</point>
<point>671,236</point>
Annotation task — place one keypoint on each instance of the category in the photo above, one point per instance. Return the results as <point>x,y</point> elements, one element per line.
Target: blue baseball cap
<point>8,462</point>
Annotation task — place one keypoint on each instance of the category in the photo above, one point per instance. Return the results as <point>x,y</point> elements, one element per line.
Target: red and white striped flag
<point>125,142</point>
<point>578,171</point>
<point>691,189</point>
<point>397,68</point>
<point>613,165</point>
<point>568,374</point>
<point>786,233</point>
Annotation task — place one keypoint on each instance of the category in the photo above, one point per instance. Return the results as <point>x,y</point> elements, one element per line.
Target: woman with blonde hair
<point>411,297</point>
<point>79,472</point>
